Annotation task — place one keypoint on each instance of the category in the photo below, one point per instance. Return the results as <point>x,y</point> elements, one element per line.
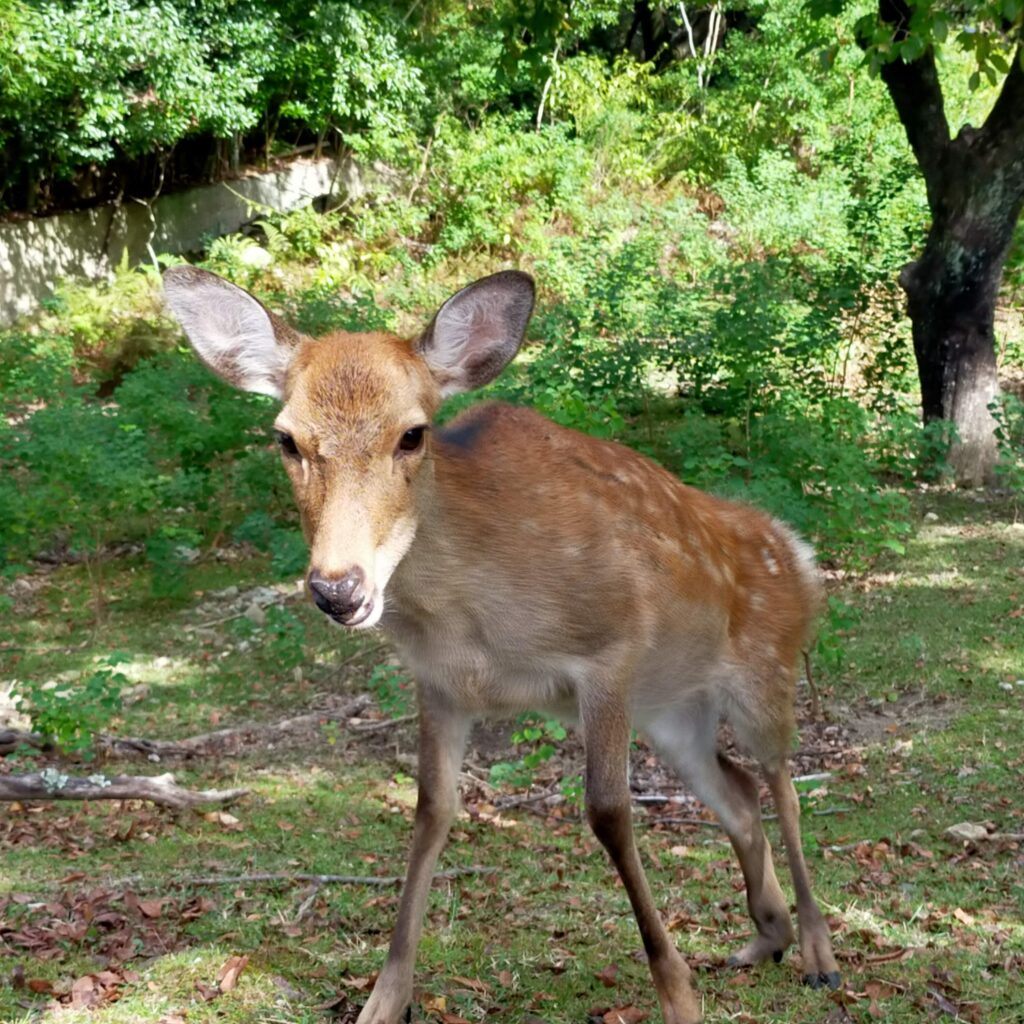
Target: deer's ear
<point>231,332</point>
<point>477,331</point>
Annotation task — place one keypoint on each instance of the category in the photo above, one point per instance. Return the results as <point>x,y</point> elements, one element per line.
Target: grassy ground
<point>102,916</point>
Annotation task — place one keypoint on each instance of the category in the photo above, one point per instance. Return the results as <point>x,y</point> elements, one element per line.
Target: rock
<point>966,832</point>
<point>256,256</point>
<point>255,614</point>
<point>931,517</point>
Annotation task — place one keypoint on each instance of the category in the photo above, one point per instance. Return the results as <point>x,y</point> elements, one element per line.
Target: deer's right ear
<point>231,332</point>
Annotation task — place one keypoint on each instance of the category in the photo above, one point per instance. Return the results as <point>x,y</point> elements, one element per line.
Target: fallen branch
<point>160,789</point>
<point>222,741</point>
<point>653,819</point>
<point>13,739</point>
<point>384,723</point>
<point>329,879</point>
<point>508,802</point>
<point>705,822</point>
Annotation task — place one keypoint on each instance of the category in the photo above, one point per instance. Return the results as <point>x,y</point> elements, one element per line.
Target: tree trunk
<point>951,299</point>
<point>975,186</point>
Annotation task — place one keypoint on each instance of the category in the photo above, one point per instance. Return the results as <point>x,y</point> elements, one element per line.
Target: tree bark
<point>975,186</point>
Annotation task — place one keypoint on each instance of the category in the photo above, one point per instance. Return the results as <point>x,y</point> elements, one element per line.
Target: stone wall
<point>38,252</point>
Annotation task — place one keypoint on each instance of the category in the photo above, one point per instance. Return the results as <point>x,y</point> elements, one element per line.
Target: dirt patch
<point>872,721</point>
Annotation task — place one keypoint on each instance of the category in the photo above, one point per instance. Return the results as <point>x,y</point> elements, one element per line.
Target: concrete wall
<point>37,253</point>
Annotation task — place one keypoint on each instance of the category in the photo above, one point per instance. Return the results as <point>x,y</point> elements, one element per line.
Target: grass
<point>925,929</point>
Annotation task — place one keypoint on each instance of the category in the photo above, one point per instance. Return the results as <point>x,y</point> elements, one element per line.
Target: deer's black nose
<point>341,598</point>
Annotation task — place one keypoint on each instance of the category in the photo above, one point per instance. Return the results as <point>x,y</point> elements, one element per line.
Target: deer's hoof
<point>830,979</point>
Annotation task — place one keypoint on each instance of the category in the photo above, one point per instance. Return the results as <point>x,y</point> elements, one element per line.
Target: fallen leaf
<point>227,977</point>
<point>151,908</point>
<point>966,832</point>
<point>474,984</point>
<point>84,993</point>
<point>963,917</point>
<point>608,976</point>
<point>360,984</point>
<point>625,1015</point>
<point>225,820</point>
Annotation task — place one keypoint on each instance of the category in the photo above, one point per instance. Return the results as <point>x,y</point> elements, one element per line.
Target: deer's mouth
<point>365,616</point>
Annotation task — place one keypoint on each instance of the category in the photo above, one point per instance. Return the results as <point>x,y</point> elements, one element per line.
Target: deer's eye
<point>286,442</point>
<point>412,439</point>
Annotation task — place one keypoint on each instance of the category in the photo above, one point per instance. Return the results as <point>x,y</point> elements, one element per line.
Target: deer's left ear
<point>477,331</point>
<point>231,332</point>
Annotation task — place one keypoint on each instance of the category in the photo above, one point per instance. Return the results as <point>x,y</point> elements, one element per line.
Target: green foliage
<point>1009,414</point>
<point>288,554</point>
<point>94,81</point>
<point>168,554</point>
<point>393,689</point>
<point>285,638</point>
<point>830,647</point>
<point>69,715</point>
<point>538,734</point>
<point>987,30</point>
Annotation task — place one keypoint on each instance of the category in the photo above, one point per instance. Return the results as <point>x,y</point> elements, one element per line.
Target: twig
<point>385,723</point>
<point>12,739</point>
<point>213,622</point>
<point>307,903</point>
<point>705,822</point>
<point>160,789</point>
<point>815,702</point>
<point>330,879</point>
<point>519,801</point>
<point>222,739</point>
<point>708,823</point>
<point>660,798</point>
<point>823,813</point>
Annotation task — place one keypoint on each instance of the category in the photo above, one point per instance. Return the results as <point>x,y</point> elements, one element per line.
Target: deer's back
<point>549,554</point>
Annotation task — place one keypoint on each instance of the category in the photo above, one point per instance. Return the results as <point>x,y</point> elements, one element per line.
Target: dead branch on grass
<point>384,723</point>
<point>160,789</point>
<point>224,741</point>
<point>380,880</point>
<point>220,742</point>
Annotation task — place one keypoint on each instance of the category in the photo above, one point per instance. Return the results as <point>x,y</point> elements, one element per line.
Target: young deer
<point>519,565</point>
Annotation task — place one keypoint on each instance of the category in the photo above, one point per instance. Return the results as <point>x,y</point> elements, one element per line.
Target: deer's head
<point>354,426</point>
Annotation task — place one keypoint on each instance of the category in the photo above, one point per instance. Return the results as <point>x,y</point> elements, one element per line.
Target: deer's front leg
<point>606,727</point>
<point>443,733</point>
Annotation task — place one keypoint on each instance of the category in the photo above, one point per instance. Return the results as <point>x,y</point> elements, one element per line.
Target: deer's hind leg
<point>820,966</point>
<point>687,739</point>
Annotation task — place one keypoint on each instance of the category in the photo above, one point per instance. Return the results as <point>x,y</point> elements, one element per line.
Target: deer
<point>519,565</point>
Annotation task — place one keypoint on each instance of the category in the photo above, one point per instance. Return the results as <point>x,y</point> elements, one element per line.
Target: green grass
<point>924,929</point>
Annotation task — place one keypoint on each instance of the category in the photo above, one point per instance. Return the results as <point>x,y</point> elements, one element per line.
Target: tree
<point>975,188</point>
